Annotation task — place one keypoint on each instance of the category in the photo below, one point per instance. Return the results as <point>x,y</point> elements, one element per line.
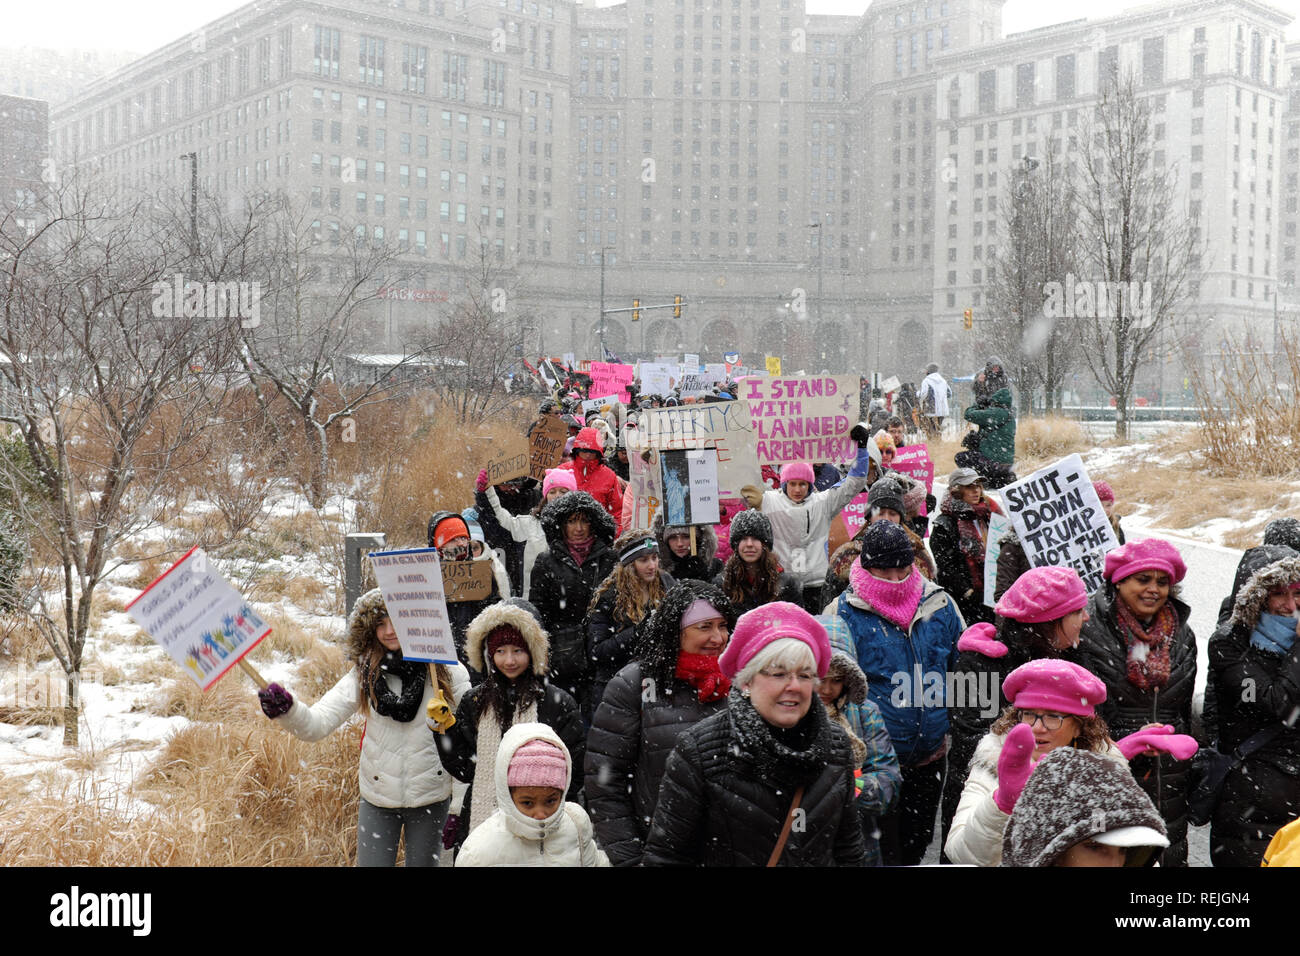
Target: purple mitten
<point>1180,746</point>
<point>275,700</point>
<point>1015,764</point>
<point>980,638</point>
<point>449,831</point>
<point>481,482</point>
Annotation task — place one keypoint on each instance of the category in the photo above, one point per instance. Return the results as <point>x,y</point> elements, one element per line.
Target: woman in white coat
<point>527,528</point>
<point>403,783</point>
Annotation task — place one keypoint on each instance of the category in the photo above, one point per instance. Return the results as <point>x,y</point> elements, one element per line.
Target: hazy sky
<point>145,25</point>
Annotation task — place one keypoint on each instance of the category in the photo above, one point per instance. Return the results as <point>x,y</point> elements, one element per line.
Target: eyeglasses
<point>1051,722</point>
<point>783,676</point>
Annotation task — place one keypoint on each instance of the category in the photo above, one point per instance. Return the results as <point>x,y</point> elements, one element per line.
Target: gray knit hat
<point>886,493</point>
<point>750,524</point>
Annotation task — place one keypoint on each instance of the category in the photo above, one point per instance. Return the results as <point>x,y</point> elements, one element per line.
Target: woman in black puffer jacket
<point>1257,650</point>
<point>732,782</point>
<point>581,535</point>
<point>670,687</point>
<point>1138,642</point>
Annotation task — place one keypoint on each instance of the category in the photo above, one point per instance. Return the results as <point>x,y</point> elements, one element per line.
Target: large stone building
<point>803,181</point>
<point>24,160</point>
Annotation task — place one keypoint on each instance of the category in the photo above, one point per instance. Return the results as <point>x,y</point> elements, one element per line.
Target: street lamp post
<point>603,251</point>
<point>820,254</point>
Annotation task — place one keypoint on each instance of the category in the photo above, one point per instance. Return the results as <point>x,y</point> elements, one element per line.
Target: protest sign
<point>715,373</point>
<point>198,618</point>
<point>802,419</point>
<point>690,363</point>
<point>415,597</point>
<point>723,426</point>
<point>690,483</point>
<point>467,580</point>
<point>546,445</point>
<point>891,384</point>
<point>999,525</point>
<point>644,479</point>
<point>694,383</point>
<point>658,378</point>
<point>590,405</point>
<point>773,365</point>
<point>1060,521</point>
<point>607,378</point>
<point>855,514</point>
<point>510,460</point>
<point>914,461</point>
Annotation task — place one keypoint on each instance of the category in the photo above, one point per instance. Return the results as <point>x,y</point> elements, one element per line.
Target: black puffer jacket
<point>787,584</point>
<point>1257,689</point>
<point>952,570</point>
<point>611,639</point>
<point>1127,709</point>
<point>644,710</point>
<point>726,795</point>
<point>701,566</point>
<point>562,591</point>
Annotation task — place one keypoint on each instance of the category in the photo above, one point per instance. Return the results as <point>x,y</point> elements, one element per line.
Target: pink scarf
<point>580,549</point>
<point>896,601</point>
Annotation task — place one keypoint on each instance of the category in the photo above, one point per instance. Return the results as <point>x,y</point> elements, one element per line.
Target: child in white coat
<point>533,825</point>
<point>403,783</point>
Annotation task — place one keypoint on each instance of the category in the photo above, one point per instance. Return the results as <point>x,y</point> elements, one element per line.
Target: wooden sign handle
<point>251,671</point>
<point>692,540</point>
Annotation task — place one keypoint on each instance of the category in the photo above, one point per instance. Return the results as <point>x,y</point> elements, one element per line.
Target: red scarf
<point>1148,647</point>
<point>970,536</point>
<point>701,672</point>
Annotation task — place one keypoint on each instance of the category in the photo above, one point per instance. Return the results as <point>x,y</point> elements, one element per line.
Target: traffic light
<point>677,307</point>
<point>636,310</point>
<point>968,319</point>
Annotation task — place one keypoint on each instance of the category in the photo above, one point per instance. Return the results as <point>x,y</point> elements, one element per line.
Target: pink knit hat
<point>1104,491</point>
<point>538,763</point>
<point>1055,685</point>
<point>770,622</point>
<point>797,471</point>
<point>559,478</point>
<point>1043,594</point>
<point>1152,554</point>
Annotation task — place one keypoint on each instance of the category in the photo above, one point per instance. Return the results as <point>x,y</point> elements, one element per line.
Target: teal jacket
<point>997,425</point>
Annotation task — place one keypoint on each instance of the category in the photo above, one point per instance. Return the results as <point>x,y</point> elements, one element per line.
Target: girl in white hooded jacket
<point>533,825</point>
<point>403,783</point>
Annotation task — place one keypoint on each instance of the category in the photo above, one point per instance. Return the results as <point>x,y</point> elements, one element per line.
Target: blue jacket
<point>907,671</point>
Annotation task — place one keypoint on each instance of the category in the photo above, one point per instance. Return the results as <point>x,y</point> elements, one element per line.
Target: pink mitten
<point>1180,746</point>
<point>980,638</point>
<point>481,483</point>
<point>1015,764</point>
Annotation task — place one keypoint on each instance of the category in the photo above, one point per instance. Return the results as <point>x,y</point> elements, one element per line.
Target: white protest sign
<point>715,373</point>
<point>694,383</point>
<point>594,404</point>
<point>690,483</point>
<point>658,378</point>
<point>891,384</point>
<point>691,363</point>
<point>1060,520</point>
<point>411,582</point>
<point>722,426</point>
<point>198,618</point>
<point>999,525</point>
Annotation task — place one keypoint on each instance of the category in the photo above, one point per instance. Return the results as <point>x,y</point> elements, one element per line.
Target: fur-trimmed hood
<point>706,542</point>
<point>1264,568</point>
<point>555,515</point>
<point>365,617</point>
<point>661,632</point>
<point>511,612</point>
<point>846,669</point>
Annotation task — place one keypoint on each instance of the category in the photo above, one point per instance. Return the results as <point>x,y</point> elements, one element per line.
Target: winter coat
<point>933,395</point>
<point>997,425</point>
<point>701,566</point>
<point>524,529</point>
<point>1012,563</point>
<point>458,746</point>
<point>598,480</point>
<point>788,589</point>
<point>953,571</point>
<point>978,826</point>
<point>399,761</point>
<point>611,640</point>
<point>562,591</point>
<point>490,505</point>
<point>1264,793</point>
<point>509,838</point>
<point>1127,709</point>
<point>1071,796</point>
<point>721,806</point>
<point>800,530</point>
<point>461,613</point>
<point>850,552</point>
<point>891,656</point>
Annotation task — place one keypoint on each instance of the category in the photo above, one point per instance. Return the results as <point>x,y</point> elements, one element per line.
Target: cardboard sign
<point>802,419</point>
<point>658,378</point>
<point>608,378</point>
<point>999,525</point>
<point>690,483</point>
<point>467,580</point>
<point>773,365</point>
<point>1060,521</point>
<point>546,446</point>
<point>510,461</point>
<point>723,426</point>
<point>198,618</point>
<point>411,582</point>
<point>914,461</point>
<point>644,479</point>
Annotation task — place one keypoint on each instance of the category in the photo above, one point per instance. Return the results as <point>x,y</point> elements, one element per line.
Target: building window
<point>325,54</point>
<point>370,60</point>
<point>414,67</point>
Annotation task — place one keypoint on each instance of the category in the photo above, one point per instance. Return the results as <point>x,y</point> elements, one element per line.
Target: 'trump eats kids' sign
<point>802,419</point>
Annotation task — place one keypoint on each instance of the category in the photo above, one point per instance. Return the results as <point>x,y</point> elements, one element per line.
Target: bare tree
<point>1139,246</point>
<point>108,386</point>
<point>1039,223</point>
